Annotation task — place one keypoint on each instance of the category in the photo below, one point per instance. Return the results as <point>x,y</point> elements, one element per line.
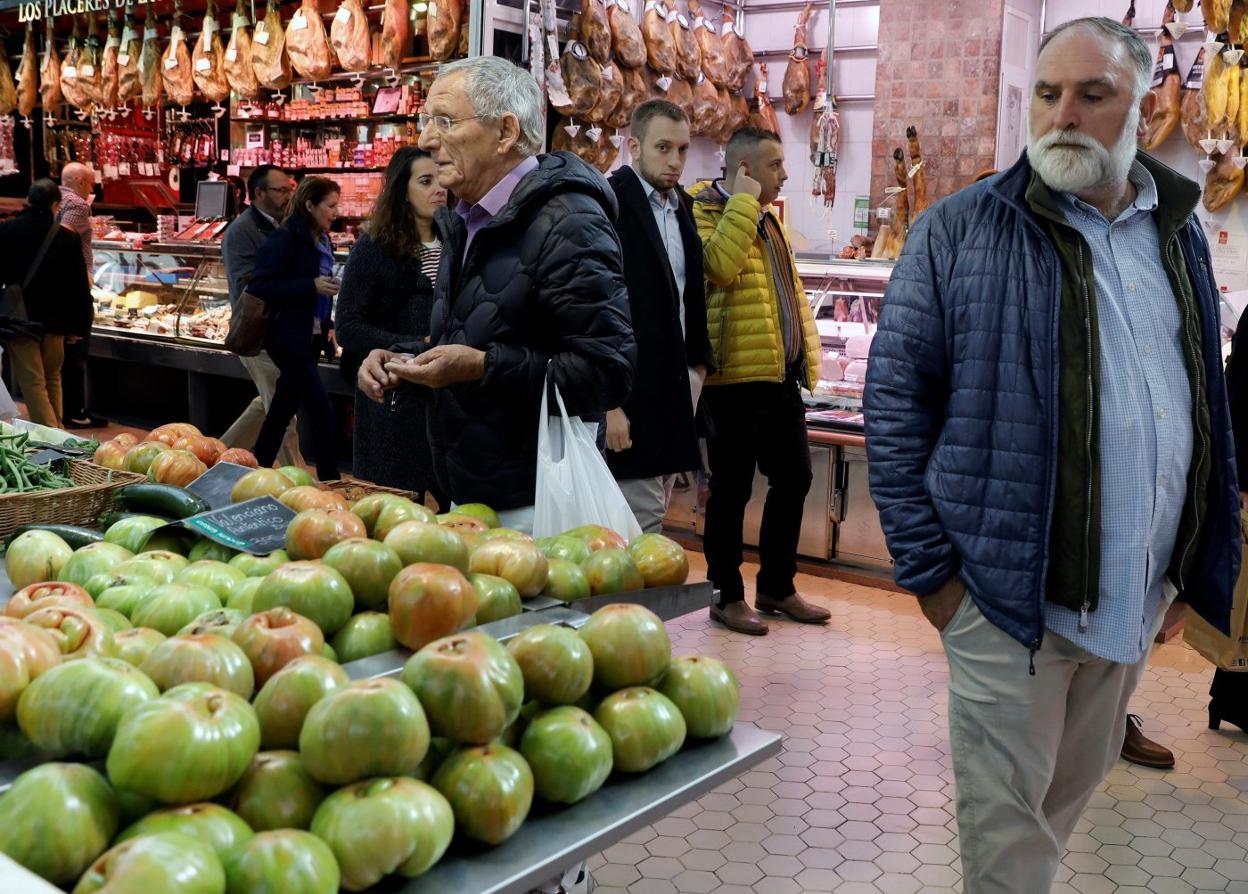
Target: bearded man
<point>1050,447</point>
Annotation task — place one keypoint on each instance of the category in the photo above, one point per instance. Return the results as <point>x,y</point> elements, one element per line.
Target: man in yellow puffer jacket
<point>766,349</point>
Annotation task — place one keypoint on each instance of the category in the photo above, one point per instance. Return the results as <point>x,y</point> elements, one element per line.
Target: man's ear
<point>509,133</point>
<point>1148,105</point>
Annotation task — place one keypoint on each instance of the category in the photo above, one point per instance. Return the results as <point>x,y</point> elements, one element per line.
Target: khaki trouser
<point>648,498</point>
<point>246,429</point>
<point>1028,751</point>
<point>37,367</point>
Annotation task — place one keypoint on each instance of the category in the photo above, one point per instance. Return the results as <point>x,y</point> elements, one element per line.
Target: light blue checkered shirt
<point>1145,426</point>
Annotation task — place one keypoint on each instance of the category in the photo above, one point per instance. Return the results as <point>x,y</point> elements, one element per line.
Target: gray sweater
<point>242,242</point>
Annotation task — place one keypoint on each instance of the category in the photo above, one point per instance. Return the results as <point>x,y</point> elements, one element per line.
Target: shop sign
<point>254,526</point>
<point>35,10</point>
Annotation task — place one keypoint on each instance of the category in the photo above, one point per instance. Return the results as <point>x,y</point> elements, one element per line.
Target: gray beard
<point>1083,170</point>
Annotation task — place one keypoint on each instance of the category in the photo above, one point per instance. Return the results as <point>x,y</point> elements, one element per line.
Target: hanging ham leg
<point>1217,15</point>
<point>307,43</point>
<point>1192,103</point>
<point>396,34</point>
<point>1183,5</point>
<point>239,71</point>
<point>149,61</point>
<point>626,39</point>
<point>8,88</point>
<point>714,65</point>
<point>349,36</point>
<point>738,54</point>
<point>765,116</point>
<point>50,73</point>
<point>825,135</point>
<point>128,84</point>
<point>582,77</point>
<point>1223,183</point>
<point>660,50</point>
<point>688,56</point>
<point>70,87</point>
<point>268,50</point>
<point>707,117</point>
<point>109,70</point>
<point>445,19</point>
<point>919,180</point>
<point>208,60</point>
<point>28,75</point>
<point>596,30</point>
<point>1129,18</point>
<point>610,92</point>
<point>681,93</point>
<point>797,74</point>
<point>175,66</point>
<point>1165,87</point>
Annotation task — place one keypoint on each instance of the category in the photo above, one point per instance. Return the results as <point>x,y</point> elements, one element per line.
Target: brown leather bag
<point>249,323</point>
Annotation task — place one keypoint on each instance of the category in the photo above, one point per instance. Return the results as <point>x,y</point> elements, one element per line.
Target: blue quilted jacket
<point>961,409</point>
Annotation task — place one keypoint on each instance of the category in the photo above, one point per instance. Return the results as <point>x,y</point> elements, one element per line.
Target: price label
<point>110,172</point>
<point>203,64</point>
<point>69,72</point>
<point>262,37</point>
<point>231,55</point>
<point>344,15</point>
<point>233,170</point>
<point>299,22</point>
<point>123,58</point>
<point>87,71</point>
<point>123,169</point>
<point>433,10</point>
<point>171,61</point>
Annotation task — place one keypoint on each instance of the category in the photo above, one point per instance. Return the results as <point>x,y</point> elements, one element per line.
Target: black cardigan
<point>59,294</point>
<point>287,266</point>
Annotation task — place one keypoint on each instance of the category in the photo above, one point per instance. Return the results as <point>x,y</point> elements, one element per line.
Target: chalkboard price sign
<point>255,526</point>
<point>215,485</point>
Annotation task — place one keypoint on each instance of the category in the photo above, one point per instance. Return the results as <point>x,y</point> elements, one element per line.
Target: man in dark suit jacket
<point>652,436</point>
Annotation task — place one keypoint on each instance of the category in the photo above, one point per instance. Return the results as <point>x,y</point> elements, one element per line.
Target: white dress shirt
<point>664,205</point>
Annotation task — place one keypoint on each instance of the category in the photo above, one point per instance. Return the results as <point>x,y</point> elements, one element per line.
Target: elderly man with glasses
<point>531,286</point>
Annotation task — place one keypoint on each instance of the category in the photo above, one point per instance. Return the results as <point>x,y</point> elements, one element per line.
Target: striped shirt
<point>430,257</point>
<point>1145,425</point>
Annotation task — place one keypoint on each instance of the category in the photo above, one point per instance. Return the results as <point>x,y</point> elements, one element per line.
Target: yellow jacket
<point>742,306</point>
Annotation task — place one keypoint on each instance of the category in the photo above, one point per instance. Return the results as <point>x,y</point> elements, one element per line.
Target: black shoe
<point>86,420</point>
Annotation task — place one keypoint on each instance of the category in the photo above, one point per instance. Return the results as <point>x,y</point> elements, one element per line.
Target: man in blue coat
<point>1050,447</point>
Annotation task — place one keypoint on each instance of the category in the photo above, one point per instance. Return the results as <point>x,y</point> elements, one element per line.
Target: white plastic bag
<point>574,485</point>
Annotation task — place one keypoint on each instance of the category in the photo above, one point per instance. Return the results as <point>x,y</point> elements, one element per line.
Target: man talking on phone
<point>766,350</point>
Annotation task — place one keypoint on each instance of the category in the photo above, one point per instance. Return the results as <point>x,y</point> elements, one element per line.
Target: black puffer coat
<point>542,284</point>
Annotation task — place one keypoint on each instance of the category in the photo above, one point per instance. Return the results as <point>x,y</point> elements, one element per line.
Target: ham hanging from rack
<point>396,34</point>
<point>797,74</point>
<point>70,88</point>
<point>765,115</point>
<point>90,80</point>
<point>208,60</point>
<point>688,56</point>
<point>445,20</point>
<point>1192,104</point>
<point>239,72</point>
<point>632,95</point>
<point>610,92</point>
<point>660,49</point>
<point>919,176</point>
<point>1183,5</point>
<point>149,61</point>
<point>28,76</point>
<point>1217,15</point>
<point>626,39</point>
<point>8,88</point>
<point>110,73</point>
<point>175,67</point>
<point>1223,183</point>
<point>738,113</point>
<point>350,37</point>
<point>307,43</point>
<point>825,135</point>
<point>596,30</point>
<point>707,116</point>
<point>714,65</point>
<point>1165,87</point>
<point>268,50</point>
<point>681,93</point>
<point>50,73</point>
<point>582,77</point>
<point>128,84</point>
<point>738,54</point>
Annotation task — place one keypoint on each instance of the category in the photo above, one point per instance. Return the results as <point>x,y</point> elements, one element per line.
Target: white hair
<point>1129,44</point>
<point>496,87</point>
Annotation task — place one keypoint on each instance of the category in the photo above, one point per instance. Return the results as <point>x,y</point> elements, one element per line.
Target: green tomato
<point>168,862</point>
<point>260,566</point>
<point>367,633</point>
<point>34,557</point>
<point>282,862</point>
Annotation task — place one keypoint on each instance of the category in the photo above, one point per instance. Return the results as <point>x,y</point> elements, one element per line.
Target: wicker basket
<point>353,489</point>
<point>79,505</point>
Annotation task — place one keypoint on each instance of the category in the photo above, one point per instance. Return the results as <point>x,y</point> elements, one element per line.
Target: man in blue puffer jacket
<point>1050,447</point>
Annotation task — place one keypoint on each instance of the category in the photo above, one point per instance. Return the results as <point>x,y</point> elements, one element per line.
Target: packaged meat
<point>149,61</point>
<point>765,115</point>
<point>1223,183</point>
<point>626,39</point>
<point>208,60</point>
<point>268,50</point>
<point>797,74</point>
<point>70,88</point>
<point>108,65</point>
<point>596,30</point>
<point>175,68</point>
<point>444,21</point>
<point>50,73</point>
<point>239,72</point>
<point>307,43</point>
<point>707,117</point>
<point>28,76</point>
<point>738,54</point>
<point>714,65</point>
<point>8,88</point>
<point>610,92</point>
<point>582,77</point>
<point>128,84</point>
<point>660,49</point>
<point>349,36</point>
<point>396,33</point>
<point>688,56</point>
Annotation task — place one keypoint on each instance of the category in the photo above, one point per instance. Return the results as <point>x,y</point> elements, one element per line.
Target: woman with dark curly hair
<point>386,298</point>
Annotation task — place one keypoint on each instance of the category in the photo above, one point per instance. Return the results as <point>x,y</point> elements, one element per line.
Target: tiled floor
<point>860,800</point>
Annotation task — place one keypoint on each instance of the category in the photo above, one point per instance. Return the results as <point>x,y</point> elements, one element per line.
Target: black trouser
<point>299,390</point>
<point>74,380</point>
<point>759,424</point>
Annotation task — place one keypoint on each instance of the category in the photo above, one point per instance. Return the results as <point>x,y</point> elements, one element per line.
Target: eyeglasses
<point>443,122</point>
<point>279,189</point>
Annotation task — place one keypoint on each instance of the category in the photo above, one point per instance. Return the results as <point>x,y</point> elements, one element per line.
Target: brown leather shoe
<point>795,607</point>
<point>1138,749</point>
<point>740,617</point>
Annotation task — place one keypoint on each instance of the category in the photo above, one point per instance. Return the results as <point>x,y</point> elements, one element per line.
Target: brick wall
<point>939,70</point>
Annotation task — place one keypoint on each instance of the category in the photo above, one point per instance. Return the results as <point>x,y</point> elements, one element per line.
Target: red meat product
<point>350,37</point>
<point>797,74</point>
<point>596,30</point>
<point>714,65</point>
<point>8,89</point>
<point>129,86</point>
<point>445,19</point>
<point>396,33</point>
<point>239,71</point>
<point>630,47</point>
<point>208,60</point>
<point>610,92</point>
<point>70,88</point>
<point>268,50</point>
<point>765,116</point>
<point>1192,104</point>
<point>307,43</point>
<point>707,118</point>
<point>175,69</point>
<point>149,62</point>
<point>688,55</point>
<point>660,49</point>
<point>681,93</point>
<point>583,78</point>
<point>28,76</point>
<point>50,74</point>
<point>1165,87</point>
<point>738,54</point>
<point>110,72</point>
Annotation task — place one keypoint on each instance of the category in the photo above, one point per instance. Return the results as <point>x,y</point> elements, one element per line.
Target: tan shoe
<point>795,607</point>
<point>738,616</point>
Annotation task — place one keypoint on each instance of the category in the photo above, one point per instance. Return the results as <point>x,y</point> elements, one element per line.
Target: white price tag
<point>231,54</point>
<point>69,72</point>
<point>123,168</point>
<point>698,21</point>
<point>433,11</point>
<point>726,29</point>
<point>608,73</point>
<point>123,58</point>
<point>343,15</point>
<point>99,176</point>
<point>150,34</point>
<point>883,213</point>
<point>225,155</point>
<point>110,172</point>
<point>299,22</point>
<point>203,64</point>
<point>664,83</point>
<point>176,34</point>
<point>262,37</point>
<point>171,61</point>
<point>233,170</point>
<point>86,71</point>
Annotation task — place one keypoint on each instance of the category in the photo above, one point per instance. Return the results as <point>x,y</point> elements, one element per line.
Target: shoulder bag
<point>249,323</point>
<point>13,299</point>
